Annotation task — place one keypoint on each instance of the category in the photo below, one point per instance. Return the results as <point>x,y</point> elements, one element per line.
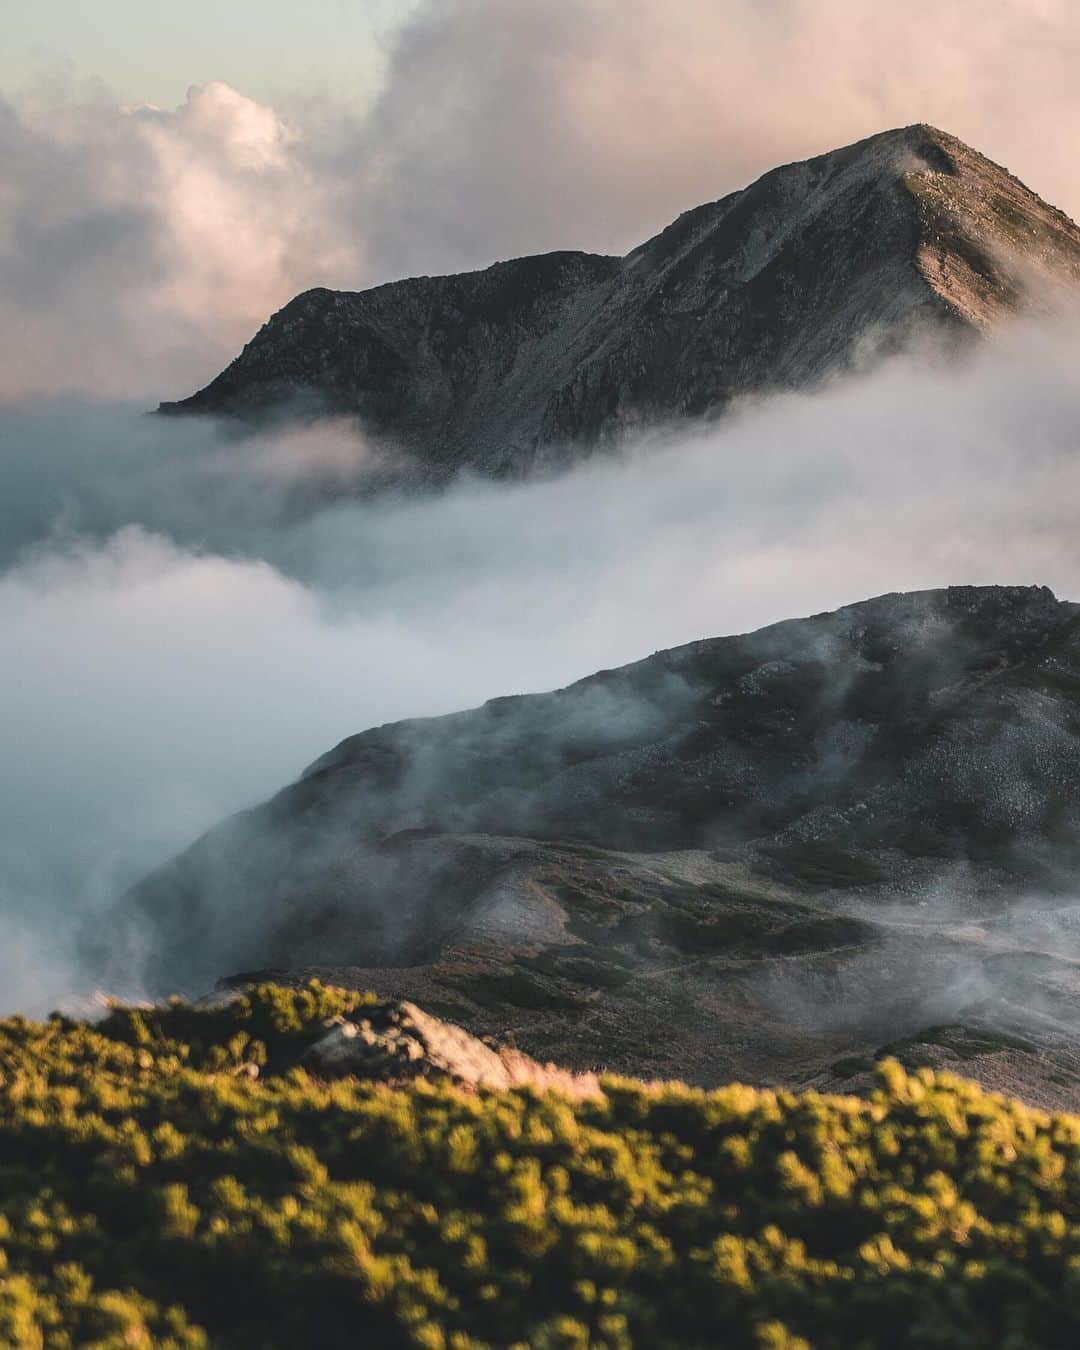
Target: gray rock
<point>398,1043</point>
<point>750,857</point>
<point>816,268</point>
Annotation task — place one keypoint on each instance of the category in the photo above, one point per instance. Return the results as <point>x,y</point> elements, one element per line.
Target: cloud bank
<point>139,248</point>
<point>513,128</point>
<point>183,633</point>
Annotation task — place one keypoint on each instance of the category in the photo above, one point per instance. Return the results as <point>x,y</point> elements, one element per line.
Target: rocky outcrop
<point>751,857</point>
<point>817,267</point>
<point>397,1043</point>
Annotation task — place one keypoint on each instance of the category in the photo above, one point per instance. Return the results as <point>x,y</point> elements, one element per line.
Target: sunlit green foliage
<point>154,1193</point>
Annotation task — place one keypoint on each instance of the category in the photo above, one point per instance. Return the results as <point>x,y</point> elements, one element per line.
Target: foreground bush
<point>153,1192</point>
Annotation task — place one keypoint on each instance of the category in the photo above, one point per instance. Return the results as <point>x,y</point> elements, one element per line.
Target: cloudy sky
<point>172,176</point>
<point>178,643</point>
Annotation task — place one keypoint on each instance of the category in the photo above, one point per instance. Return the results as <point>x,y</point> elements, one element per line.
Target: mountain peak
<point>817,266</point>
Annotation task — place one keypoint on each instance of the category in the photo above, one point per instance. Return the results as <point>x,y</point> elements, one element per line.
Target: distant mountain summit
<point>817,266</point>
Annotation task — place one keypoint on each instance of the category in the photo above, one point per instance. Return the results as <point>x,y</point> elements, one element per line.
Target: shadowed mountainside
<point>815,268</point>
<point>757,857</point>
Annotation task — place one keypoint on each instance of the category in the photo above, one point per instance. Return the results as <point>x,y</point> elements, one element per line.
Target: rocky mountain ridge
<point>818,267</point>
<point>755,857</point>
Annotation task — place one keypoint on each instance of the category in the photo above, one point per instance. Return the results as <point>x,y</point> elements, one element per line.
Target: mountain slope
<point>817,266</point>
<point>753,857</point>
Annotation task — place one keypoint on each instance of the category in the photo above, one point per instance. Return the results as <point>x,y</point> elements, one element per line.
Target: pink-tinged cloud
<point>551,123</point>
<point>139,248</point>
<point>138,245</point>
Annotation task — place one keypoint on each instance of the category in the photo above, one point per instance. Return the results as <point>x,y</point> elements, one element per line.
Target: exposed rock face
<point>752,857</point>
<point>815,267</point>
<point>397,1043</point>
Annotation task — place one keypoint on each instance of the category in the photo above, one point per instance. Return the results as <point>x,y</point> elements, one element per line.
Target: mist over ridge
<point>231,616</point>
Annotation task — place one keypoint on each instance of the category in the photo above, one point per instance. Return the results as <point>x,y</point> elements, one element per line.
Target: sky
<point>179,640</point>
<point>172,176</point>
<point>142,53</point>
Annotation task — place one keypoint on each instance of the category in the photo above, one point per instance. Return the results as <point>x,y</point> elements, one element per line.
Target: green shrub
<point>154,1193</point>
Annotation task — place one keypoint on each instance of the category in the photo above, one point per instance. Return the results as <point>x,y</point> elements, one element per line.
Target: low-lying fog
<point>190,617</point>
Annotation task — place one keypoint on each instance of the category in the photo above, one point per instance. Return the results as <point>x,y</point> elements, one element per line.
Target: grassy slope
<point>154,1193</point>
